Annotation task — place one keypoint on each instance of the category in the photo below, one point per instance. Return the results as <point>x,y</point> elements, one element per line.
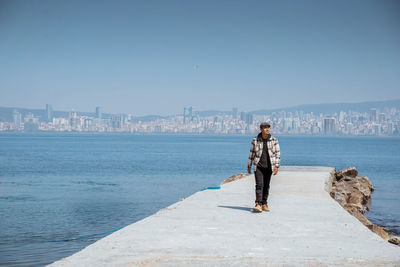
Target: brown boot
<point>265,207</point>
<point>257,208</point>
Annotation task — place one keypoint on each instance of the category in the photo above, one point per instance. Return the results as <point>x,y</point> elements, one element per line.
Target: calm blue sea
<point>60,186</point>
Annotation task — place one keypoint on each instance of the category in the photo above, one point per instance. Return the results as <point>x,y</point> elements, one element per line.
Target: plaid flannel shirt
<point>256,150</point>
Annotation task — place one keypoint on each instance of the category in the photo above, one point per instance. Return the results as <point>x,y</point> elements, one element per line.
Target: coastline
<point>354,194</point>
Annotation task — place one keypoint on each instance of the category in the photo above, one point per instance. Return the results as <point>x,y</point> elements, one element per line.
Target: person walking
<point>265,157</point>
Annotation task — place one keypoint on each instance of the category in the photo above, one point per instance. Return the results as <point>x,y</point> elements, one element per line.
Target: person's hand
<point>249,170</point>
<point>275,170</point>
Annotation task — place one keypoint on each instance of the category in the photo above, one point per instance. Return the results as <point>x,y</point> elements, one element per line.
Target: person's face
<point>265,130</point>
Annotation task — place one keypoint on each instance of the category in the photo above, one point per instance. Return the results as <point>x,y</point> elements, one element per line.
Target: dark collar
<point>259,137</point>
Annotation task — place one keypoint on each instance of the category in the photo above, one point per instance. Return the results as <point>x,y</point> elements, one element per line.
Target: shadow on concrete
<point>237,208</point>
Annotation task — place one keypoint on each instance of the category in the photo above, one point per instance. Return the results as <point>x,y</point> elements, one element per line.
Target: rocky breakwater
<point>234,178</point>
<point>353,193</point>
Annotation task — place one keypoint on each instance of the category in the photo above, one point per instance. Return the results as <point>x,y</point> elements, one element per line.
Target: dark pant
<point>263,177</point>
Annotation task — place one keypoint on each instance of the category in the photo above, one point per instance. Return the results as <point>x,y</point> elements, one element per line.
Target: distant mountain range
<point>6,112</point>
<point>336,107</point>
<point>326,109</point>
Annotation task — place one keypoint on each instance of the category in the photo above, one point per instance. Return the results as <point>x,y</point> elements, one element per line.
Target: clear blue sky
<point>155,57</point>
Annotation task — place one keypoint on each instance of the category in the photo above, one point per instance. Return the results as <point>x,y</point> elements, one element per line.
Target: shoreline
<point>355,197</point>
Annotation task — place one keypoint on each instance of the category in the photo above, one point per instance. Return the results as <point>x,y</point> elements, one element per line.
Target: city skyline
<point>379,122</point>
<point>155,57</point>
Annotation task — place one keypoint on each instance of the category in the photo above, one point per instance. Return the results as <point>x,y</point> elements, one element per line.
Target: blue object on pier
<point>211,187</point>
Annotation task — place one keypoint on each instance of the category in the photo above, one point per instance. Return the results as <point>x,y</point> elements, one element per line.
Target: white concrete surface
<point>305,227</point>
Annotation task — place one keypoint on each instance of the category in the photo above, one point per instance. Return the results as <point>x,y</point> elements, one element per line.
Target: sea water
<point>60,192</point>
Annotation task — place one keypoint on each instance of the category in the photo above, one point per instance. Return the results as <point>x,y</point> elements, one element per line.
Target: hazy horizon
<point>173,114</point>
<point>156,57</point>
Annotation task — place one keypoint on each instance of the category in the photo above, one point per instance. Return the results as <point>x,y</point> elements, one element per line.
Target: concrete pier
<point>305,227</point>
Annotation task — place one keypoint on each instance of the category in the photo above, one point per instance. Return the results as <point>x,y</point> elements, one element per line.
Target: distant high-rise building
<point>184,115</point>
<point>295,124</point>
<point>329,126</point>
<point>216,119</point>
<point>73,119</point>
<point>274,116</point>
<point>341,116</point>
<point>17,119</point>
<point>234,113</point>
<point>117,121</point>
<point>243,116</point>
<point>372,114</point>
<point>190,115</point>
<point>249,119</point>
<point>286,123</point>
<point>187,114</point>
<point>87,124</point>
<point>99,112</point>
<point>49,113</point>
<point>382,117</point>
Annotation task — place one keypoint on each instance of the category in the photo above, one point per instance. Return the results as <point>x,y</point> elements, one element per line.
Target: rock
<point>234,178</point>
<point>351,190</point>
<point>379,230</point>
<point>357,199</point>
<point>339,197</point>
<point>353,193</point>
<point>394,240</point>
<point>350,171</point>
